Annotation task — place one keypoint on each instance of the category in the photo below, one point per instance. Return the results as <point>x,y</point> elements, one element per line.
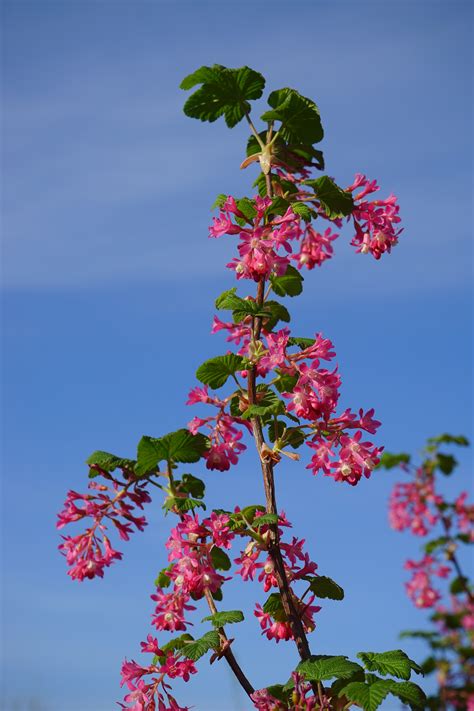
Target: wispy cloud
<point>103,172</point>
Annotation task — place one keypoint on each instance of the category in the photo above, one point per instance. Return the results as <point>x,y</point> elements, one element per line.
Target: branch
<point>227,653</point>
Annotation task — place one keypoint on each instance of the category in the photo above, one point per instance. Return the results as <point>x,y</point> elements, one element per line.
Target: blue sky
<point>108,281</point>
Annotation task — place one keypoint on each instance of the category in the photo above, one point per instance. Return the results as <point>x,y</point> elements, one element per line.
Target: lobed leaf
<point>368,695</point>
<point>224,617</point>
<point>335,201</point>
<point>394,662</point>
<point>322,667</point>
<point>322,586</point>
<point>220,559</point>
<point>108,462</point>
<point>224,92</point>
<point>216,371</point>
<point>299,116</point>
<point>389,460</point>
<point>179,446</point>
<point>288,284</point>
<point>196,649</point>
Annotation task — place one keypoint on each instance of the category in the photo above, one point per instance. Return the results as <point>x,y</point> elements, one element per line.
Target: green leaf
<point>216,371</point>
<point>289,284</point>
<point>248,512</point>
<point>309,154</point>
<point>270,404</point>
<point>247,208</point>
<point>436,543</point>
<point>446,463</point>
<point>395,662</point>
<point>322,586</point>
<point>428,665</point>
<point>299,208</point>
<point>450,439</point>
<point>195,650</point>
<point>220,559</point>
<point>217,595</point>
<point>108,462</point>
<point>322,667</point>
<point>173,645</point>
<point>179,446</point>
<point>273,605</point>
<point>192,485</point>
<point>389,460</point>
<point>274,312</point>
<point>163,580</point>
<point>335,201</point>
<point>299,116</point>
<point>285,383</point>
<point>183,503</point>
<point>224,617</point>
<point>294,437</point>
<point>268,519</point>
<point>229,300</point>
<point>224,92</point>
<point>409,693</point>
<point>278,206</point>
<point>219,201</point>
<point>458,585</point>
<point>369,696</point>
<point>339,684</point>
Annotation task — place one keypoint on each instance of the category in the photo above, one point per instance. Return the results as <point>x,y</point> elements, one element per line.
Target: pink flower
<point>222,225</point>
<point>409,506</point>
<point>89,553</point>
<point>315,248</point>
<point>375,221</point>
<point>419,587</point>
<point>219,527</point>
<point>170,609</point>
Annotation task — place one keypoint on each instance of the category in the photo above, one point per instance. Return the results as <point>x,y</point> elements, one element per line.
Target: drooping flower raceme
<point>88,553</point>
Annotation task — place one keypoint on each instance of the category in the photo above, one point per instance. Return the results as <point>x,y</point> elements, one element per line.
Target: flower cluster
<point>414,505</point>
<point>420,588</point>
<point>302,698</point>
<point>268,246</point>
<point>144,695</point>
<point>191,570</point>
<point>264,247</point>
<point>224,435</point>
<point>465,515</point>
<point>255,560</point>
<point>313,396</point>
<point>375,221</point>
<point>90,552</point>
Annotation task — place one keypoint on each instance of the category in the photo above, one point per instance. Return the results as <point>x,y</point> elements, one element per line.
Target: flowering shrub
<point>275,389</point>
<point>419,506</point>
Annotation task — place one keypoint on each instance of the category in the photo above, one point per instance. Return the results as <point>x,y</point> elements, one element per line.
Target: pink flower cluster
<point>420,588</point>
<point>268,247</point>
<point>375,221</point>
<point>465,515</point>
<point>191,569</point>
<point>259,243</point>
<point>90,552</point>
<point>313,397</point>
<point>409,505</point>
<point>223,434</point>
<point>302,698</point>
<point>143,695</point>
<point>255,560</point>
